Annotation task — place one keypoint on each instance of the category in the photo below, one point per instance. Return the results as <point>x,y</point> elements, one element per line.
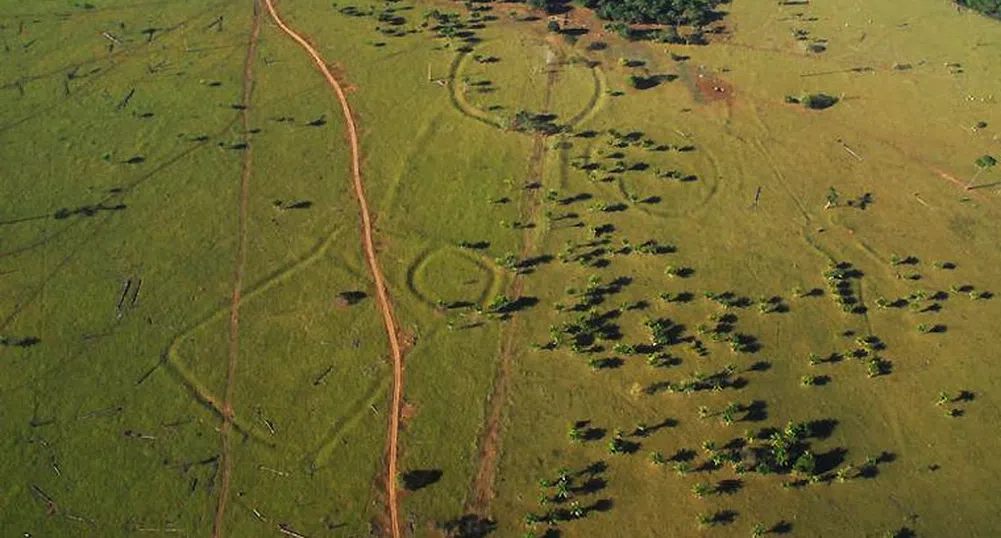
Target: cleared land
<point>637,291</point>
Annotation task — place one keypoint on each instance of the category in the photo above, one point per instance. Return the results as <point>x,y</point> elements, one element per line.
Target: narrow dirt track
<point>373,262</point>
<point>482,490</point>
<point>241,263</point>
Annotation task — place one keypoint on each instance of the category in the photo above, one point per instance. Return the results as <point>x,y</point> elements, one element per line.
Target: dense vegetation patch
<point>668,12</point>
<point>671,12</point>
<point>990,8</point>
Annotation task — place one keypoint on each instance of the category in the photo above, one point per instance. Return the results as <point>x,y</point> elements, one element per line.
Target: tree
<point>819,101</point>
<point>832,198</point>
<point>545,5</point>
<point>806,463</point>
<point>983,163</point>
<point>575,434</point>
<point>687,12</point>
<point>991,8</point>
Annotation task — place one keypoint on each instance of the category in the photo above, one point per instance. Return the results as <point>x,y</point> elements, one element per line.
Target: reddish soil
<point>385,306</point>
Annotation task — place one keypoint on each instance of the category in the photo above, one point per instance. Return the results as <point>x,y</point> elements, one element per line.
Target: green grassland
<point>699,207</point>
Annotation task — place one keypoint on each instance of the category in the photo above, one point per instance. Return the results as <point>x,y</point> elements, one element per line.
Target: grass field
<point>629,308</point>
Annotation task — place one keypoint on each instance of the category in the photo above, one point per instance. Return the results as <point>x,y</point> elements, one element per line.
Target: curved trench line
<point>459,100</point>
<point>425,256</point>
<point>343,426</point>
<point>419,142</point>
<point>594,104</point>
<point>203,396</point>
<point>281,275</point>
<point>369,245</point>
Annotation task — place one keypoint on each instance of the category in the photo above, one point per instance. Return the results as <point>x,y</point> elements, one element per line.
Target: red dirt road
<point>373,263</point>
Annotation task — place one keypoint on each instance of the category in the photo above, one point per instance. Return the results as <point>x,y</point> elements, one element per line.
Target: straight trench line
<point>241,263</point>
<point>373,262</point>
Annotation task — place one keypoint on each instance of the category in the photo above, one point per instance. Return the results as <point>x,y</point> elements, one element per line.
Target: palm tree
<point>757,530</point>
<point>844,473</point>
<point>705,520</point>
<point>562,492</point>
<point>700,490</point>
<point>563,475</point>
<point>832,198</point>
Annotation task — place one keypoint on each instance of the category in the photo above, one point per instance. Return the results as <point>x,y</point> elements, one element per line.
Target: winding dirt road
<point>373,262</point>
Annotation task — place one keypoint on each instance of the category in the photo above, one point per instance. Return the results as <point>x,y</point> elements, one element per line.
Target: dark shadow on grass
<point>420,478</point>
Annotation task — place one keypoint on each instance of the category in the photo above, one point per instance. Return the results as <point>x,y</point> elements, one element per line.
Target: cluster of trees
<point>991,8</point>
<point>543,124</point>
<point>670,12</point>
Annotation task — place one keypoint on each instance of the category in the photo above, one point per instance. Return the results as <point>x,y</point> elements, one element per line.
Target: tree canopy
<point>672,12</point>
<point>991,8</point>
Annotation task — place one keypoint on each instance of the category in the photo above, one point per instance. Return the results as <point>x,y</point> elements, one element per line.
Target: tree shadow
<point>420,478</point>
<point>590,486</point>
<point>729,486</point>
<point>26,342</point>
<point>724,517</point>
<point>610,363</point>
<point>830,460</point>
<point>595,468</point>
<point>683,455</point>
<point>823,428</point>
<point>601,505</point>
<point>529,264</point>
<point>468,526</point>
<point>521,303</point>
<point>86,210</point>
<point>782,527</point>
<point>965,396</point>
<point>297,204</point>
<point>351,298</point>
<point>756,411</point>
<point>476,245</point>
